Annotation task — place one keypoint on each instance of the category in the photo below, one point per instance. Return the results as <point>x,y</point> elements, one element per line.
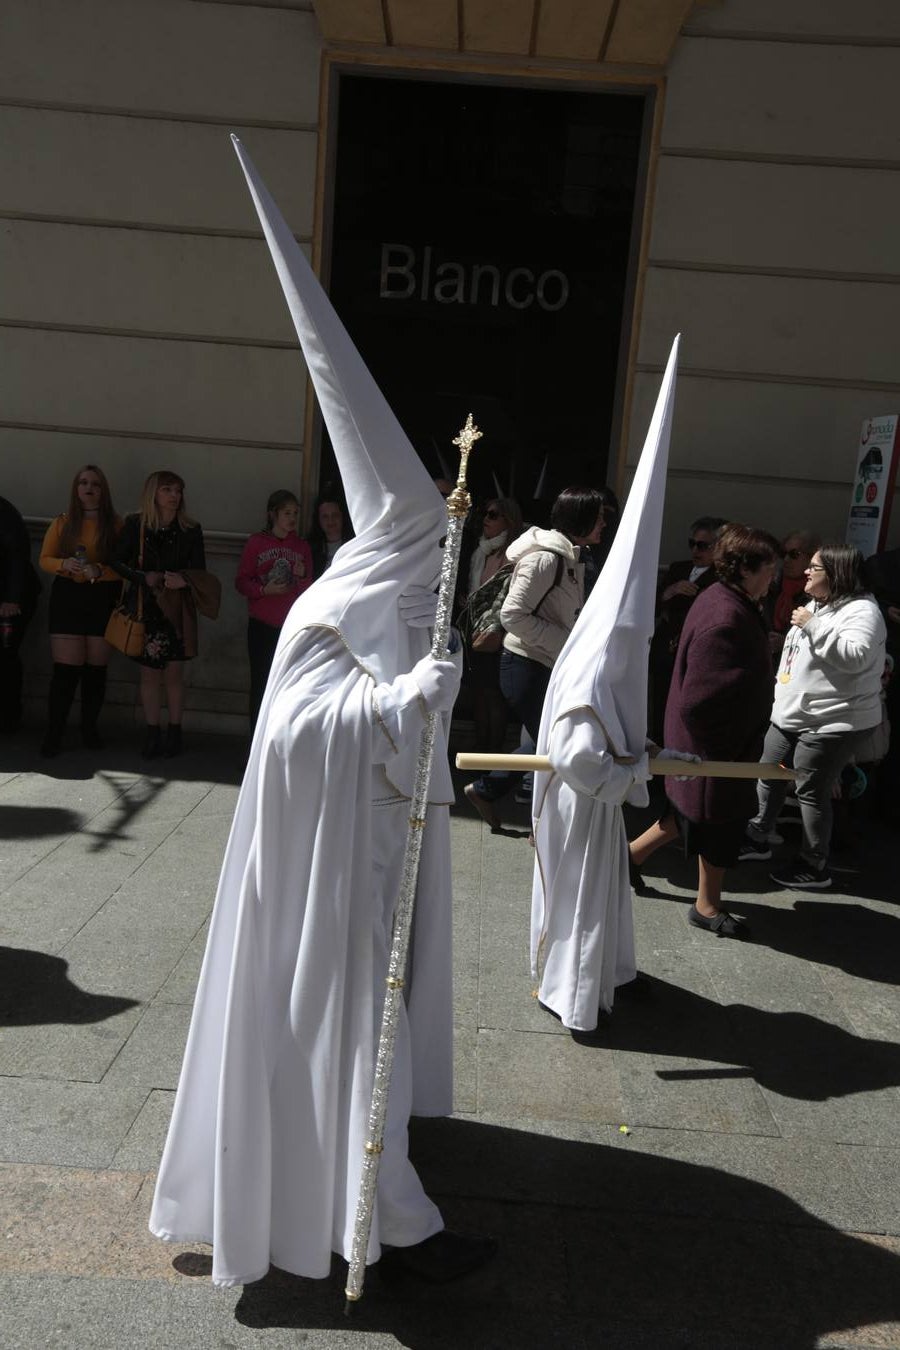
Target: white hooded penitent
<point>265,1147</point>
<point>593,729</point>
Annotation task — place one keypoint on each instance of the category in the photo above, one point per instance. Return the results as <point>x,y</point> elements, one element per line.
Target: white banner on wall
<point>873,485</point>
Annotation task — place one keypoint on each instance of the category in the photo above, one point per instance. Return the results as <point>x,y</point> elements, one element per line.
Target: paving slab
<point>74,1052</point>
<point>758,1084</point>
<point>70,1124</point>
<point>547,1076</point>
<point>151,1056</point>
<point>141,1148</point>
<point>181,985</point>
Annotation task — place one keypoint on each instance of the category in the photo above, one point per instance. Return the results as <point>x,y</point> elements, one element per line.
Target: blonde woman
<point>161,551</point>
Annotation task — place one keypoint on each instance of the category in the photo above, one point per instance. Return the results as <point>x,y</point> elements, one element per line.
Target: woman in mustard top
<point>76,549</point>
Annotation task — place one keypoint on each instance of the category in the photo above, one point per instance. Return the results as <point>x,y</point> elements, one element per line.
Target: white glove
<point>418,607</point>
<point>437,682</point>
<point>678,754</point>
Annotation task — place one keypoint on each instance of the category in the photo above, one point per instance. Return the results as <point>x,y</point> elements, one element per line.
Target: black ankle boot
<point>152,747</point>
<point>93,691</point>
<point>63,683</point>
<point>173,740</point>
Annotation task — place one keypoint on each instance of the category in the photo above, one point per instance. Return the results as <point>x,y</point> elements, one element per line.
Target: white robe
<point>582,929</point>
<point>265,1147</point>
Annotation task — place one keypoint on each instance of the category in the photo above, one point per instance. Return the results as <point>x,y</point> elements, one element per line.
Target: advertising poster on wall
<point>873,484</point>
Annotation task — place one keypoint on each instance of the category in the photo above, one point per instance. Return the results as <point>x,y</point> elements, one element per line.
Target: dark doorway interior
<point>479,256</point>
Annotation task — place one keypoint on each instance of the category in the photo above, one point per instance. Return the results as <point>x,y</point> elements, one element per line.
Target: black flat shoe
<point>599,1036</point>
<point>636,878</point>
<point>173,740</point>
<point>443,1257</point>
<point>636,990</point>
<point>485,809</point>
<point>722,924</point>
<point>152,747</point>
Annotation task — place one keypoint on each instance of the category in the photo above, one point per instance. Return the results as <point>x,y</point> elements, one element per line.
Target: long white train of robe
<point>582,926</point>
<point>265,1147</point>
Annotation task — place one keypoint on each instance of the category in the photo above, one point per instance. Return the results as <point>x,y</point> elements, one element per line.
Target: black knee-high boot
<point>63,683</point>
<point>93,692</point>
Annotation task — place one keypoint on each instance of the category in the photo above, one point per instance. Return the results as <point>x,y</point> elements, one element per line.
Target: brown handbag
<point>125,629</point>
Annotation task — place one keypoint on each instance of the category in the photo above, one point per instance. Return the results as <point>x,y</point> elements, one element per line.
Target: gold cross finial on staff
<point>459,502</point>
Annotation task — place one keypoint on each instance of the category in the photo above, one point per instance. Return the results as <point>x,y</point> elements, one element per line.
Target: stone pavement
<point>721,1173</point>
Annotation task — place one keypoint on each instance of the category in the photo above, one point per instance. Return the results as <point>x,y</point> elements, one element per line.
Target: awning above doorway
<point>620,32</point>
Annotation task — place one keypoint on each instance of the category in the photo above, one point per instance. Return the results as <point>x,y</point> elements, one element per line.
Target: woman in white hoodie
<point>545,597</point>
<point>827,697</point>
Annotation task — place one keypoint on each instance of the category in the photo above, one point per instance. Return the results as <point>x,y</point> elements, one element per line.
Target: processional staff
<point>458,505</point>
<point>667,768</point>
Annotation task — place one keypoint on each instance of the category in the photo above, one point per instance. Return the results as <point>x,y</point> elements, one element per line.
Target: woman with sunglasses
<point>799,548</point>
<point>682,583</point>
<point>827,698</point>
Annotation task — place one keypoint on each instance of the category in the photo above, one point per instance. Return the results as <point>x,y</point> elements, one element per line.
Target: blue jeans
<point>523,683</point>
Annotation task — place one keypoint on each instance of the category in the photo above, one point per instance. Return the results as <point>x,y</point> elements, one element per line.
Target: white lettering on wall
<point>404,275</point>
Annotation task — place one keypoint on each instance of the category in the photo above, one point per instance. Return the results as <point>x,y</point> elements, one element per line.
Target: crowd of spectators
<point>150,567</point>
<point>780,650</point>
<point>764,649</point>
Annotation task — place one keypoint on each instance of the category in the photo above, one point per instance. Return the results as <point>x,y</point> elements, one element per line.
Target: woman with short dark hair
<point>827,697</point>
<point>717,709</point>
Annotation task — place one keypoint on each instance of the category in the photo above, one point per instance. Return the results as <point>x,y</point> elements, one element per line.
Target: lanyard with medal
<point>789,652</point>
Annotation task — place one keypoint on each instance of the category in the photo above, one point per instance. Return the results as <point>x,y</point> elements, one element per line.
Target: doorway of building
<point>481,253</point>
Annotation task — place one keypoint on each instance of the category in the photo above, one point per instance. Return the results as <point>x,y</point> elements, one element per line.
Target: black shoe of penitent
<point>443,1257</point>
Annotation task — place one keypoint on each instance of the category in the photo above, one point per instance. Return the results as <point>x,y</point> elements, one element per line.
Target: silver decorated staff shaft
<point>458,504</point>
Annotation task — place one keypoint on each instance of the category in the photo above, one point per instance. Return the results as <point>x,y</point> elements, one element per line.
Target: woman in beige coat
<point>545,597</point>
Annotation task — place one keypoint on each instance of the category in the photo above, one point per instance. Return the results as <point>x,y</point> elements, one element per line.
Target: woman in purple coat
<point>718,708</point>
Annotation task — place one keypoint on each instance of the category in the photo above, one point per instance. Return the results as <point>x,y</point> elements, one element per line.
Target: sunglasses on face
<point>491,514</point>
<point>701,544</point>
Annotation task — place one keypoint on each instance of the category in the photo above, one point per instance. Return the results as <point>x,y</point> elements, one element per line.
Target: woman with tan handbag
<point>77,549</point>
<point>161,551</point>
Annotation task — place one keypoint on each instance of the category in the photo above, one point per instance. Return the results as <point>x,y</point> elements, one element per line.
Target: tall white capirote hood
<point>397,512</point>
<point>603,665</point>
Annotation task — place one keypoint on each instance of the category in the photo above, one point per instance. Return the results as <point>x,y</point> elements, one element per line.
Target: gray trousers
<point>818,760</point>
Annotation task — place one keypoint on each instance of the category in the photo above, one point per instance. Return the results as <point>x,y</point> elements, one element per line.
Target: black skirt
<point>716,841</point>
<point>81,608</point>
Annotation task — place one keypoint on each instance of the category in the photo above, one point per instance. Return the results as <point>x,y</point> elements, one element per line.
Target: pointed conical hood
<point>397,512</point>
<point>603,665</point>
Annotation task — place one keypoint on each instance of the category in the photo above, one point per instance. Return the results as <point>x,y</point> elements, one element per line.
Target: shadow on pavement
<point>790,1053</point>
<point>603,1247</point>
<point>33,822</point>
<point>206,758</point>
<point>35,990</point>
<point>863,942</point>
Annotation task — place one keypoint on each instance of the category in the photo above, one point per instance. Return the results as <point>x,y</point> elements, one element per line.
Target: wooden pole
<point>667,768</point>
